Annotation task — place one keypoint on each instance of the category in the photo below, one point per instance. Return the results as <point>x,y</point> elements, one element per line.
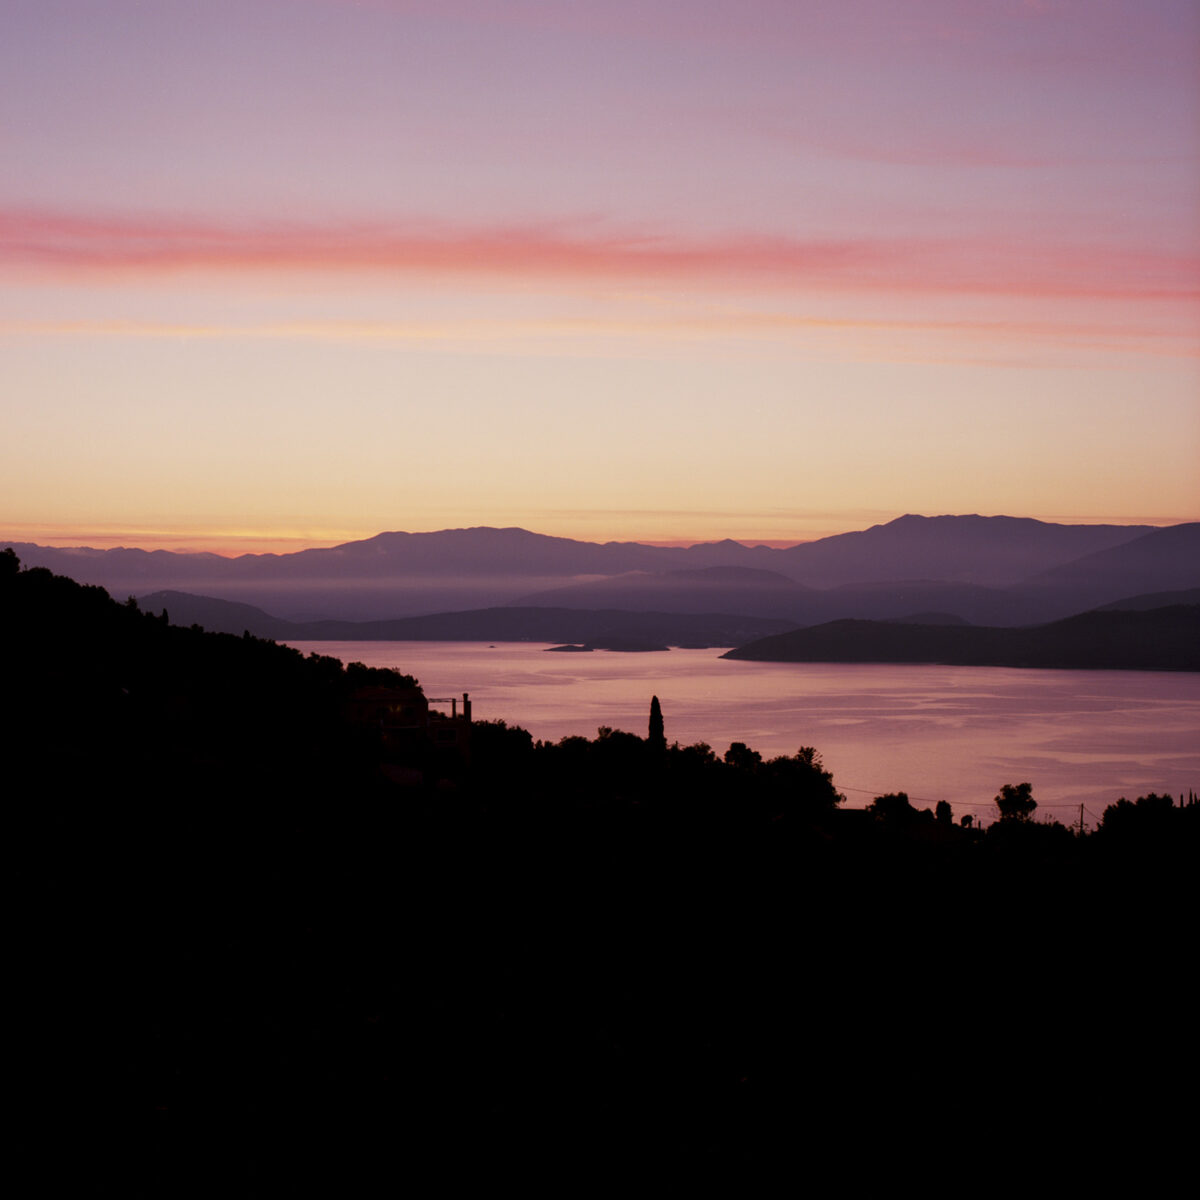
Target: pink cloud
<point>51,242</point>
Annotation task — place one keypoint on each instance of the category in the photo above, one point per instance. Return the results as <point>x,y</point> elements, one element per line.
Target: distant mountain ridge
<point>987,551</point>
<point>1161,560</point>
<point>506,624</point>
<point>995,570</point>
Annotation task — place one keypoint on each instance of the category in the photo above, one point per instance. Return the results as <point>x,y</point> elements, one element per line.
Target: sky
<point>278,273</point>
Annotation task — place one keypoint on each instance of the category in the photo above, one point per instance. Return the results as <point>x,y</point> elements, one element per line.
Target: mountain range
<point>998,571</point>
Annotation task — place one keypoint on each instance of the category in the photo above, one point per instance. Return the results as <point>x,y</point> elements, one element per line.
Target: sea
<point>1081,738</point>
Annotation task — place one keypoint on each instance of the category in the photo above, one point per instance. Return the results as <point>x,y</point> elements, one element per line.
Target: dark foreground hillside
<point>554,967</point>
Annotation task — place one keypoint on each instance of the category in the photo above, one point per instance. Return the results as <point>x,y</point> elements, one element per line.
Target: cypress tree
<point>658,740</point>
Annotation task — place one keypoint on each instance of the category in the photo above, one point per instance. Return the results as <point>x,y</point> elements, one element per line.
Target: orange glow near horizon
<point>633,272</point>
<point>225,542</point>
<point>232,543</point>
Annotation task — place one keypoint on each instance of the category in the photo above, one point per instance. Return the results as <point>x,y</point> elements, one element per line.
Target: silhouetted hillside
<point>104,691</point>
<point>617,951</point>
<point>1163,639</point>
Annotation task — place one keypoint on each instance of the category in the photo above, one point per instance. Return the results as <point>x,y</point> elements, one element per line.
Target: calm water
<point>938,733</point>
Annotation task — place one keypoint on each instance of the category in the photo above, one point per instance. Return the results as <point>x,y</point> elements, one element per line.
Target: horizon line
<point>236,544</point>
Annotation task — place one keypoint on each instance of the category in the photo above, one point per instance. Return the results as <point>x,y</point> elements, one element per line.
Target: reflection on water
<point>939,733</point>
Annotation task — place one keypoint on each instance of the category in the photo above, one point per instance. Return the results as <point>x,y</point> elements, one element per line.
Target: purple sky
<point>280,272</point>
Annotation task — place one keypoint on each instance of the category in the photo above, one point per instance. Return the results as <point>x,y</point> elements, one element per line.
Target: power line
<point>845,787</point>
<point>874,792</point>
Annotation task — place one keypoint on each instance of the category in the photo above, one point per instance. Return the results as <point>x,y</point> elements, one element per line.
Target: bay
<point>935,732</point>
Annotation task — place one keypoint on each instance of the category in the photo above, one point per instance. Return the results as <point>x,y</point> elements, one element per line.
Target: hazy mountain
<point>509,624</point>
<point>392,574</point>
<point>1159,561</point>
<point>711,589</point>
<point>930,618</point>
<point>910,564</point>
<point>972,602</point>
<point>1154,600</point>
<point>768,594</point>
<point>217,616</point>
<point>991,551</point>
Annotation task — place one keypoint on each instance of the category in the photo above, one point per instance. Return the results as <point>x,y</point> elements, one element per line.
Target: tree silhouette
<point>892,809</point>
<point>1016,802</point>
<point>1152,815</point>
<point>740,755</point>
<point>658,738</point>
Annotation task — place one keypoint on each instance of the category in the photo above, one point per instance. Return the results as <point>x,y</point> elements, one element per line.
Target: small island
<point>617,645</point>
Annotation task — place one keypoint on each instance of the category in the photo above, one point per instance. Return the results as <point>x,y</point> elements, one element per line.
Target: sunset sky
<point>277,273</point>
